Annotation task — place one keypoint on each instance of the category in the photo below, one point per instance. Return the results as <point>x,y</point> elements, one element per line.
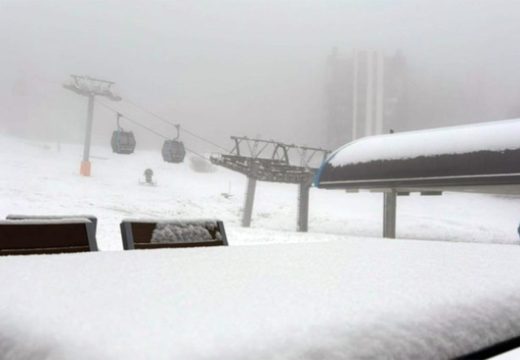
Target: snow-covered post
<point>250,199</point>
<point>303,207</point>
<point>389,213</point>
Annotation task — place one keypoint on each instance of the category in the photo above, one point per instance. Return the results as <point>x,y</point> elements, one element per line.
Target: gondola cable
<point>166,121</point>
<point>135,122</point>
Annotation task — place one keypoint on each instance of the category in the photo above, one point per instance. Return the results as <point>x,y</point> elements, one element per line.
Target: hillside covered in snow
<point>42,178</point>
<point>335,292</point>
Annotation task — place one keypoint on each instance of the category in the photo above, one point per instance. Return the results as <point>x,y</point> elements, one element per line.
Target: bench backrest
<point>146,234</point>
<point>23,237</point>
<point>92,218</point>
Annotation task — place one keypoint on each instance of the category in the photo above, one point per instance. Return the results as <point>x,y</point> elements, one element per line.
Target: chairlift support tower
<point>268,160</point>
<point>90,87</point>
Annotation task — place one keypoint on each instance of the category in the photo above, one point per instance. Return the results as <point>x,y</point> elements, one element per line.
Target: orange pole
<point>85,164</point>
<point>85,168</point>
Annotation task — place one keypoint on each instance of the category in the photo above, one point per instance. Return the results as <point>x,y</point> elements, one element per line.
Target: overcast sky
<point>235,67</point>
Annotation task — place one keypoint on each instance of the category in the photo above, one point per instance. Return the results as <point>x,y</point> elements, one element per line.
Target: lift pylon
<point>273,161</point>
<point>89,87</point>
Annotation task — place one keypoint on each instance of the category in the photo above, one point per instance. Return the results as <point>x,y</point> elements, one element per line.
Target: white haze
<point>253,68</point>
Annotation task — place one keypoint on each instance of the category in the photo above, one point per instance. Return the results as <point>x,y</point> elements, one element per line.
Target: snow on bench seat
<point>164,233</point>
<point>359,298</point>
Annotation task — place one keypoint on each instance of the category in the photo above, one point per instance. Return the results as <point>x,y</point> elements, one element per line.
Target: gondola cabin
<point>123,142</point>
<point>173,151</point>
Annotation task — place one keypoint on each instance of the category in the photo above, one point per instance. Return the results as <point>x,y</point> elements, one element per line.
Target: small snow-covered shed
<point>482,157</point>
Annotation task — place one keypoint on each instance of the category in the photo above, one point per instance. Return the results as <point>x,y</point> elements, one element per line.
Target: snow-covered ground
<point>39,179</point>
<point>336,294</point>
<point>350,299</point>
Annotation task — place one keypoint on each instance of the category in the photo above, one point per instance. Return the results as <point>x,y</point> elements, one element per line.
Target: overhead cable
<point>174,124</point>
<point>124,116</point>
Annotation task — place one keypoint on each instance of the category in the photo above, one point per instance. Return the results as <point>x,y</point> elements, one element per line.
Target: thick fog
<point>255,68</point>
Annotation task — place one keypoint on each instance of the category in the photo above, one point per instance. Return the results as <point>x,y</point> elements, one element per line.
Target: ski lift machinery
<point>123,142</point>
<point>173,150</point>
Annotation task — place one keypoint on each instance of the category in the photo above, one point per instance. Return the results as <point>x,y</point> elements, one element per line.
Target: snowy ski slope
<point>341,295</point>
<point>39,179</point>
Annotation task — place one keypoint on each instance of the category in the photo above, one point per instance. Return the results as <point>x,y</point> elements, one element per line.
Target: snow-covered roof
<point>352,299</point>
<point>490,136</point>
<point>465,157</point>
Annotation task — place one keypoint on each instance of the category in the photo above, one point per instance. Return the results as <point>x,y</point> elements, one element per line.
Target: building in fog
<point>365,93</point>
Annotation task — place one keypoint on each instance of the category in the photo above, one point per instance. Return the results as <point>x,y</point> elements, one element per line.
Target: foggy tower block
<point>365,94</point>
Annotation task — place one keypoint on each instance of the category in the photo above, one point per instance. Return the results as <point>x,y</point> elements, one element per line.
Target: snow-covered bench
<point>92,218</point>
<point>46,236</point>
<point>154,234</point>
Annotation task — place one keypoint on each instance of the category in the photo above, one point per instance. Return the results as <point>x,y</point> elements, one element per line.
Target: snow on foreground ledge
<point>351,299</point>
<point>490,136</point>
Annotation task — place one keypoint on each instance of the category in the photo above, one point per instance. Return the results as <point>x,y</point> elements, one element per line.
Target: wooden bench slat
<point>41,251</point>
<point>42,236</point>
<point>177,245</point>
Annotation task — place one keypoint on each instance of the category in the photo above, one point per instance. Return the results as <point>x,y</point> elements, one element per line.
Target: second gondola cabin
<point>173,151</point>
